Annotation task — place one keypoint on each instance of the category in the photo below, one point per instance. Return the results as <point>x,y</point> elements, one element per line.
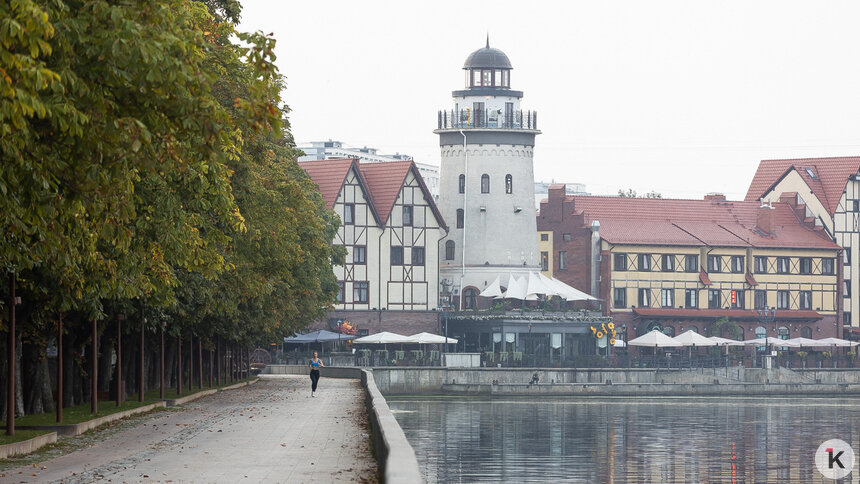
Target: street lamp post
<point>766,316</point>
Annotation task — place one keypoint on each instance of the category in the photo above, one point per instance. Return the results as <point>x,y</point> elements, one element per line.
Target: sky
<point>680,97</point>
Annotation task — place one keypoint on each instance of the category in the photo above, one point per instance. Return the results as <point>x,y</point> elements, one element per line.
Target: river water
<point>742,440</point>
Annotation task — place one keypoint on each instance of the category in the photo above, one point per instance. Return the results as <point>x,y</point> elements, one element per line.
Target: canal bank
<point>607,381</point>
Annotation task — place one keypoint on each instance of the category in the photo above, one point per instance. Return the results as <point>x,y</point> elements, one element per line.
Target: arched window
<point>509,184</point>
<point>806,332</point>
<point>449,250</point>
<point>462,187</point>
<point>470,298</point>
<point>459,218</point>
<point>760,332</point>
<point>485,183</point>
<point>693,329</point>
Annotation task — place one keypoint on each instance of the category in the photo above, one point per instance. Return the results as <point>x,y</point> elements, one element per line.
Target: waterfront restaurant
<point>527,338</point>
<point>678,265</point>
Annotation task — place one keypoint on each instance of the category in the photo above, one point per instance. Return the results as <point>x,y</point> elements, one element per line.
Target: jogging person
<point>314,364</point>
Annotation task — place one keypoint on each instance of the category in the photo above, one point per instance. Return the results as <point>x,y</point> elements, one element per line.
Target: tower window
<point>462,187</point>
<point>485,183</point>
<point>459,218</point>
<point>449,250</point>
<point>509,184</point>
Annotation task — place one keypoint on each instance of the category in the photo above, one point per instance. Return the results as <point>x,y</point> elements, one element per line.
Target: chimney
<point>715,197</point>
<point>764,218</point>
<point>556,191</point>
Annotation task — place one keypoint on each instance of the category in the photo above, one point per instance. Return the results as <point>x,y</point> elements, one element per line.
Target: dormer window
<point>811,173</point>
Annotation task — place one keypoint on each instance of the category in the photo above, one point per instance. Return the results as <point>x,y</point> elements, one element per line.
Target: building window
<point>619,262</point>
<point>460,218</point>
<point>782,266</point>
<point>760,332</point>
<point>667,298</point>
<point>760,264</point>
<point>340,292</point>
<point>760,299</point>
<point>644,298</point>
<point>462,186</point>
<point>565,237</point>
<point>846,319</point>
<point>359,254</point>
<point>846,288</point>
<point>359,291</point>
<point>449,250</point>
<point>349,214</point>
<point>418,256</point>
<point>485,183</point>
<point>846,256</point>
<point>806,265</point>
<point>715,263</point>
<point>691,298</point>
<point>737,299</point>
<point>827,266</point>
<point>806,331</point>
<point>544,261</point>
<point>668,263</point>
<point>407,215</point>
<point>397,256</point>
<point>562,260</point>
<point>509,184</point>
<point>544,237</point>
<point>644,262</point>
<point>782,333</point>
<point>855,205</point>
<point>805,299</point>
<point>691,263</point>
<point>619,297</point>
<point>782,299</point>
<point>737,264</point>
<point>713,299</point>
<point>470,298</point>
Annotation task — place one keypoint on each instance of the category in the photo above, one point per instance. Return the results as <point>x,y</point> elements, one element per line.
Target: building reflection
<point>625,440</point>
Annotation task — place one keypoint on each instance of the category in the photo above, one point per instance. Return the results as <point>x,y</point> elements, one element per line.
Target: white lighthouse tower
<point>486,189</point>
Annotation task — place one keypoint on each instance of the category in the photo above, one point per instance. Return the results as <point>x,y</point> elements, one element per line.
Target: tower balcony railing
<point>487,118</point>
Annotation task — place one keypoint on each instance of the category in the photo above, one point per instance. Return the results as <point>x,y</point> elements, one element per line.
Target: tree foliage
<point>147,157</point>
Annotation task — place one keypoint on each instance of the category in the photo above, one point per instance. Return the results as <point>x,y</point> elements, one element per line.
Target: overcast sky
<point>682,97</point>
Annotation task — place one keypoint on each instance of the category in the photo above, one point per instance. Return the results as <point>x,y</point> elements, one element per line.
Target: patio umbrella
<point>808,343</point>
<point>430,338</point>
<point>692,339</point>
<point>656,339</point>
<point>725,341</point>
<point>319,336</point>
<point>383,337</point>
<point>839,343</point>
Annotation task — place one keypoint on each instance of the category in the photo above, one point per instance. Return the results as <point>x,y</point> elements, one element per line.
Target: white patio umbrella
<point>382,338</point>
<point>770,341</point>
<point>493,290</point>
<point>838,342</point>
<point>693,339</point>
<point>430,338</point>
<point>655,339</point>
<point>808,343</point>
<point>725,341</point>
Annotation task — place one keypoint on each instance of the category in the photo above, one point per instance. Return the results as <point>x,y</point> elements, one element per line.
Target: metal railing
<point>487,118</point>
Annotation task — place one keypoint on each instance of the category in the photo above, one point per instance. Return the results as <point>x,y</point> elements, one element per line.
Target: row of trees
<point>147,171</point>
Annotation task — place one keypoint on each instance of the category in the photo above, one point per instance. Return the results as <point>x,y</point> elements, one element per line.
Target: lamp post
<point>766,316</point>
<point>532,343</point>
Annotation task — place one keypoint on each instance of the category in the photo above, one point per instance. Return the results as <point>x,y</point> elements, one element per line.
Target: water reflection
<point>625,440</point>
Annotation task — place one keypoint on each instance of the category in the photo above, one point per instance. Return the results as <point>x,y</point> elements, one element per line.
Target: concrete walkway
<point>272,431</point>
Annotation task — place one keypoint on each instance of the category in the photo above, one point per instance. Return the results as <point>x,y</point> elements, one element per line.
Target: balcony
<point>487,119</point>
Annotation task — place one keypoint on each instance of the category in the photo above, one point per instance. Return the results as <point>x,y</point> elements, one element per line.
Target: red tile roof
<point>831,176</point>
<point>658,221</point>
<point>381,182</point>
<point>329,175</point>
<point>719,313</point>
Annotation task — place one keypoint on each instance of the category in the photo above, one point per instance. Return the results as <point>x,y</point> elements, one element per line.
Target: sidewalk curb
<point>194,396</point>
<point>27,446</point>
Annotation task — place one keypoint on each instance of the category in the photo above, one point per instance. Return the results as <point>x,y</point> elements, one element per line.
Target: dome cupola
<point>488,67</point>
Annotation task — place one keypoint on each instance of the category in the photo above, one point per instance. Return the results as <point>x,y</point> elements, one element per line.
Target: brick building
<point>684,264</point>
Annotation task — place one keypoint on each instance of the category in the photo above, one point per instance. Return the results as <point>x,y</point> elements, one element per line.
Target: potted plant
<point>802,355</point>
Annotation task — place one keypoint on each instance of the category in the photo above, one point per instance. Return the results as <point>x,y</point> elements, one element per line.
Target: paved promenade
<point>272,431</point>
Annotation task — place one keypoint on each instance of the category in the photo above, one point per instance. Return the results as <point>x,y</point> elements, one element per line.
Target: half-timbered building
<point>391,229</point>
<point>678,265</point>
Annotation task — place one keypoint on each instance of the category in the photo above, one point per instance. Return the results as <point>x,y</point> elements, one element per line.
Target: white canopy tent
<point>516,288</point>
<point>493,290</point>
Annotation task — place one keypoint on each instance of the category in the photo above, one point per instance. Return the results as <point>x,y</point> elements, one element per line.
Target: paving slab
<point>273,431</point>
